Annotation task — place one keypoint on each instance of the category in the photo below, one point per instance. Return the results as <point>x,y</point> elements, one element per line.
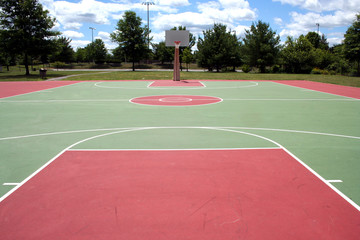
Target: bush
<point>59,64</point>
<point>316,71</point>
<point>246,68</point>
<point>275,69</point>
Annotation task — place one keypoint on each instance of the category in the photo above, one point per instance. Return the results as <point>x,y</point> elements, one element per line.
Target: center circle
<point>176,100</point>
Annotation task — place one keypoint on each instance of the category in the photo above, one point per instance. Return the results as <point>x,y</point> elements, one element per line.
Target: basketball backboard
<point>171,36</point>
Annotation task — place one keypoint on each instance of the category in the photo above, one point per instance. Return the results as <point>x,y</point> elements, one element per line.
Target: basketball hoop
<point>177,44</point>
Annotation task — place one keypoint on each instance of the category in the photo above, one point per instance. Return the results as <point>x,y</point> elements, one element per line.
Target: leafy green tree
<point>96,51</point>
<point>217,49</point>
<point>118,54</point>
<point>317,41</point>
<point>131,37</point>
<point>352,43</point>
<point>163,53</point>
<point>26,29</point>
<point>64,52</point>
<point>187,57</point>
<point>261,46</point>
<point>298,55</point>
<point>339,64</point>
<point>80,55</point>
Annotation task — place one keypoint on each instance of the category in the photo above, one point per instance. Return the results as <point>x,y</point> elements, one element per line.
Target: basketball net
<point>177,44</point>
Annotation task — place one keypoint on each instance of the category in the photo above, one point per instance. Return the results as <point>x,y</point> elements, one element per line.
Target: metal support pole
<point>177,62</point>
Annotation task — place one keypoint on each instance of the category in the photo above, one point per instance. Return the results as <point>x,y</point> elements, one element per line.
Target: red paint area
<point>8,89</point>
<point>345,91</point>
<point>208,194</point>
<point>175,100</point>
<point>171,83</point>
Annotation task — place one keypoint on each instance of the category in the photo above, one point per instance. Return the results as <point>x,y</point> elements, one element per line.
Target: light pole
<point>148,23</point>
<point>92,41</point>
<point>318,28</point>
<point>92,33</point>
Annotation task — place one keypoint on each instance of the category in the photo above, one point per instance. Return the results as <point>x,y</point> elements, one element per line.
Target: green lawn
<point>17,74</point>
<point>157,75</point>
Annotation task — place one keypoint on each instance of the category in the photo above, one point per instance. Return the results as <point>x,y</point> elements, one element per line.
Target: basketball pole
<point>177,61</point>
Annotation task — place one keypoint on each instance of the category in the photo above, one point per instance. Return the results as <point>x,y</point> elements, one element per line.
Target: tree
<point>298,55</point>
<point>118,54</point>
<point>96,51</point>
<point>187,57</point>
<point>26,28</point>
<point>131,37</point>
<point>64,52</point>
<point>163,53</point>
<point>80,55</point>
<point>261,46</point>
<point>352,43</point>
<point>217,49</point>
<point>317,41</point>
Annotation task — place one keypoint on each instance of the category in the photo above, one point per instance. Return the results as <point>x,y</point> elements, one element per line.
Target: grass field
<point>43,129</point>
<point>15,75</point>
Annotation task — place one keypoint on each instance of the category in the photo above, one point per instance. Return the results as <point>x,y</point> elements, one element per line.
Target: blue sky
<point>286,17</point>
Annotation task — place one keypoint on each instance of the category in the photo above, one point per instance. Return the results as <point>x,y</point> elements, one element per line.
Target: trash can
<point>43,73</point>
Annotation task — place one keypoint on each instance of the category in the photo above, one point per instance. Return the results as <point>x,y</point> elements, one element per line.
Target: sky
<point>286,17</point>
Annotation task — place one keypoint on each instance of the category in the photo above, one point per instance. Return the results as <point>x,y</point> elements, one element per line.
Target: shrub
<point>246,68</point>
<point>59,64</point>
<point>316,71</point>
<point>275,69</point>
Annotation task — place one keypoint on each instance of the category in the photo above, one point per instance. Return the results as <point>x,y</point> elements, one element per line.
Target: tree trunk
<point>133,66</point>
<point>26,65</point>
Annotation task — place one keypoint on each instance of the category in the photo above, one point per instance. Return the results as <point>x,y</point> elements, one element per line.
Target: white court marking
<point>116,129</point>
<point>253,84</point>
<point>230,99</point>
<point>11,184</point>
<point>175,99</point>
<point>210,128</point>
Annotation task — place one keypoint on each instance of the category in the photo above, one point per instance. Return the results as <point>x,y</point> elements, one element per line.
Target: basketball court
<point>179,160</point>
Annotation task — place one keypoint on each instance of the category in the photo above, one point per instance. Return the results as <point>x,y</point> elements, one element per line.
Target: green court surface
<point>319,128</point>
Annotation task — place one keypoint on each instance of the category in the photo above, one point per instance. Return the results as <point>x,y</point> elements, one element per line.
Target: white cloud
<point>278,21</point>
<point>158,37</point>
<point>72,15</point>
<point>73,34</point>
<point>79,43</point>
<point>324,5</point>
<point>303,23</point>
<point>105,36</point>
<point>240,30</point>
<point>175,3</point>
<point>228,12</point>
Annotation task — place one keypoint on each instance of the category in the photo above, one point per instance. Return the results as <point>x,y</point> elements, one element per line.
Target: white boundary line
<point>255,84</point>
<point>210,128</point>
<point>65,100</point>
<point>53,159</point>
<point>172,87</point>
<point>125,100</point>
<point>117,129</point>
<point>334,181</point>
<point>169,149</point>
<point>294,99</point>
